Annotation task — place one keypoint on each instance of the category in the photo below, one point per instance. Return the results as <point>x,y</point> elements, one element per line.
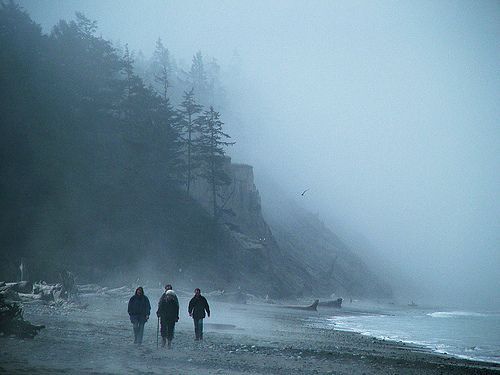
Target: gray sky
<point>388,111</point>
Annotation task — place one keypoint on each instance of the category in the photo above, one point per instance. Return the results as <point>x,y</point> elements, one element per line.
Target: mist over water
<point>387,112</point>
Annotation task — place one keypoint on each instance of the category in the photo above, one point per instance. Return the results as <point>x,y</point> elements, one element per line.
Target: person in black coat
<point>138,310</point>
<point>197,307</point>
<point>168,312</point>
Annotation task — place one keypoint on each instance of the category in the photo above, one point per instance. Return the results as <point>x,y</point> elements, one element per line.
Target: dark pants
<point>138,331</point>
<point>198,328</point>
<point>167,329</point>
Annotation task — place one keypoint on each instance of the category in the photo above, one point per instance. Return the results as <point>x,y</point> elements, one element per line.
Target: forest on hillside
<point>98,154</point>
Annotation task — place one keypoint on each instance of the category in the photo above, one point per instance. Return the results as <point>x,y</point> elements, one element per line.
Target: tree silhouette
<point>198,77</point>
<point>187,110</point>
<point>211,144</point>
<point>162,68</point>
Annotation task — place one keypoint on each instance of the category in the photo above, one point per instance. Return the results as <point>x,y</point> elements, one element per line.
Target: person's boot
<point>163,342</point>
<point>169,345</point>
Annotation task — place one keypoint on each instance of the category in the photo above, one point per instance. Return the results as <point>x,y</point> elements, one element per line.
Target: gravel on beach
<point>238,339</point>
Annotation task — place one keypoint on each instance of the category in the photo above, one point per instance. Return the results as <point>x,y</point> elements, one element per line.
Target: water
<point>463,334</point>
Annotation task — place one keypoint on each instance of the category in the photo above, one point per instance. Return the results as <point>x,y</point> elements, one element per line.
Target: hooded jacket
<point>168,307</point>
<point>139,306</point>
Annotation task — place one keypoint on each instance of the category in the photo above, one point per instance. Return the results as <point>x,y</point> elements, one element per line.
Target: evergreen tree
<point>211,144</point>
<point>215,91</point>
<point>168,159</point>
<point>88,151</point>
<point>162,68</point>
<point>128,70</point>
<point>188,109</point>
<point>198,77</point>
<point>86,64</point>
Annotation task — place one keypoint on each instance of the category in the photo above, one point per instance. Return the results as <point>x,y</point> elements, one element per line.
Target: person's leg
<point>200,329</point>
<point>135,324</point>
<point>170,333</point>
<point>163,331</point>
<point>196,329</point>
<point>140,332</point>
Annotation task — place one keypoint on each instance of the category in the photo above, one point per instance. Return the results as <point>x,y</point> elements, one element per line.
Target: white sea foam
<point>454,314</point>
<point>465,334</point>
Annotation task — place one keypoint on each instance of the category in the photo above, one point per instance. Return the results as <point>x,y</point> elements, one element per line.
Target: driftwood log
<point>337,303</point>
<point>12,321</point>
<point>312,307</point>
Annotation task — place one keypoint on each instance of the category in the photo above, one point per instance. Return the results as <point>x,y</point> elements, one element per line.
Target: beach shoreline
<point>239,339</point>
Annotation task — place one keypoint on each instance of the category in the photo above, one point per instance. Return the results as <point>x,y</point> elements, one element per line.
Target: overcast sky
<point>388,111</point>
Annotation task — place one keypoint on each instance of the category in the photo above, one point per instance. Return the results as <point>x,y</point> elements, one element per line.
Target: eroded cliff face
<point>254,260</point>
<point>303,257</point>
<point>240,204</point>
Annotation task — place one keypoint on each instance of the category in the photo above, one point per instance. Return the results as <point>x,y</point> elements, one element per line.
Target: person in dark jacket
<point>138,310</point>
<point>168,312</point>
<point>197,307</point>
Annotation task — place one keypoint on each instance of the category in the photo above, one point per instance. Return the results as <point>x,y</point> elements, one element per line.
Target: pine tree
<point>162,68</point>
<point>211,144</point>
<point>198,77</point>
<point>170,151</point>
<point>215,92</point>
<point>188,109</point>
<point>128,70</point>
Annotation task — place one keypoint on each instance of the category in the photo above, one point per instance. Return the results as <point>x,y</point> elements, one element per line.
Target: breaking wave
<point>455,314</point>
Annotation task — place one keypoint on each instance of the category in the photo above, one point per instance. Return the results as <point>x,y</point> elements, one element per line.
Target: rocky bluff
<point>281,250</point>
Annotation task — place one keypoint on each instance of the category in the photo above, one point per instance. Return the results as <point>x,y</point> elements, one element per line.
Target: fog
<point>387,111</point>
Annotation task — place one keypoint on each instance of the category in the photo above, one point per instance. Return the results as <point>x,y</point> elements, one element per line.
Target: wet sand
<point>238,339</point>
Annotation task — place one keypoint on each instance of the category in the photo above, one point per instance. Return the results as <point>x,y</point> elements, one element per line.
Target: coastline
<point>387,322</point>
<point>239,339</point>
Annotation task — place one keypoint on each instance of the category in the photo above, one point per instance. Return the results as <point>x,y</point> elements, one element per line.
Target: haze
<point>387,111</point>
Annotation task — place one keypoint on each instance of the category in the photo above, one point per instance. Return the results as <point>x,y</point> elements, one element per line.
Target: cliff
<point>241,204</point>
<point>290,248</point>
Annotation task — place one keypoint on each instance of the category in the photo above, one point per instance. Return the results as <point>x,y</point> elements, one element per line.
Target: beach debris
<point>12,322</point>
<point>63,294</point>
<point>312,307</point>
<point>337,303</point>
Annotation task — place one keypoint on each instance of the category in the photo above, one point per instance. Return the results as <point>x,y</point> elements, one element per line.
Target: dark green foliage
<point>198,76</point>
<point>93,161</point>
<point>162,67</point>
<point>211,154</point>
<point>188,109</point>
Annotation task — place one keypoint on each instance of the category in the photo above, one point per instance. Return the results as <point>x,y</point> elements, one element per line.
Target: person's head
<point>197,292</point>
<point>139,291</point>
<point>168,287</point>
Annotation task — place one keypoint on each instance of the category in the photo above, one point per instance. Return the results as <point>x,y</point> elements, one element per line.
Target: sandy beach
<point>255,338</point>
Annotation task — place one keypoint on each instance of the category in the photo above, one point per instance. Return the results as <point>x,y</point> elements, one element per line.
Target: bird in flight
<point>304,192</point>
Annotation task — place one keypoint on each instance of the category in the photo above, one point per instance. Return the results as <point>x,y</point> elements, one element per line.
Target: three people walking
<point>138,310</point>
<point>168,314</point>
<point>197,307</point>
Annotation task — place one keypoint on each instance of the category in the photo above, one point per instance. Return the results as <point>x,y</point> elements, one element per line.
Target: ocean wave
<point>455,314</point>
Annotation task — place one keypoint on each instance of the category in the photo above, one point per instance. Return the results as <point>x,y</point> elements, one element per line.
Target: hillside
<point>279,241</point>
<point>94,181</point>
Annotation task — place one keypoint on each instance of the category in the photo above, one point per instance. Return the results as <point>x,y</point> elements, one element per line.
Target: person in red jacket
<point>197,307</point>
